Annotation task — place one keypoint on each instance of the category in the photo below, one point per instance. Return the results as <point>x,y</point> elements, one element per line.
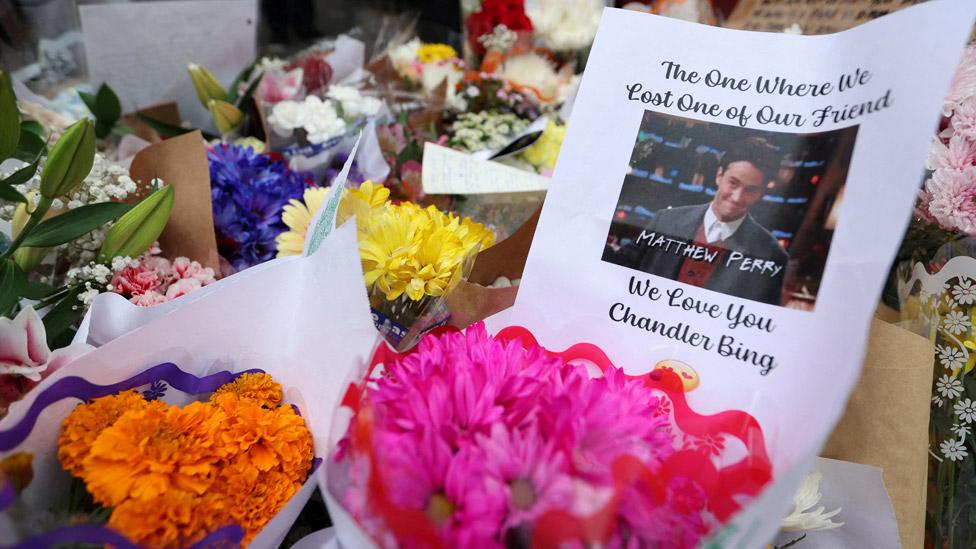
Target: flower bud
<point>27,258</point>
<point>9,118</point>
<point>207,86</point>
<point>69,161</point>
<point>227,117</point>
<point>139,227</point>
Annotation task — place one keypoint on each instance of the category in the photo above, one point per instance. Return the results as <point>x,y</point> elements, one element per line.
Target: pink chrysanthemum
<point>485,436</point>
<point>677,524</point>
<point>527,473</point>
<point>963,82</point>
<point>958,154</point>
<point>424,473</point>
<point>951,199</point>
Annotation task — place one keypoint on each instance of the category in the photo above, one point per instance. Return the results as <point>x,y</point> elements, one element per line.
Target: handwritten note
<point>447,171</point>
<point>142,49</point>
<point>813,16</point>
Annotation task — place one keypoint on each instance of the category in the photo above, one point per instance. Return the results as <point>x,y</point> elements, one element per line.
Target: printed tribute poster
<point>726,206</point>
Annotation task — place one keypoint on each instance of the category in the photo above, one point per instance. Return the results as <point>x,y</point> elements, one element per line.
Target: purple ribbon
<point>227,536</point>
<point>84,390</point>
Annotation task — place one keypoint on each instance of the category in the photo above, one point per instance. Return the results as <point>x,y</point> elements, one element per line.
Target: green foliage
<point>106,108</point>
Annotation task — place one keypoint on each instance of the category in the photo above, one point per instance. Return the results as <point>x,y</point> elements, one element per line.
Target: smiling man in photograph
<point>718,245</point>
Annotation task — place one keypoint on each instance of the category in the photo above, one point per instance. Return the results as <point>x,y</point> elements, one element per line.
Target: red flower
<point>510,13</point>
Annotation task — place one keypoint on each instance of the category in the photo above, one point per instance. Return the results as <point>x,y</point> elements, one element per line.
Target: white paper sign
<point>446,171</point>
<point>731,202</point>
<point>142,49</point>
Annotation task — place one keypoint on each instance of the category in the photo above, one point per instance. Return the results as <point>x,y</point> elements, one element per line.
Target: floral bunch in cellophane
<point>412,258</point>
<point>171,475</point>
<point>472,440</point>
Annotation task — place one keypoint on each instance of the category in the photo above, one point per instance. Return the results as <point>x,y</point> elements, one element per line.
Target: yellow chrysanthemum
<point>389,242</point>
<point>173,520</point>
<point>259,387</point>
<point>543,153</point>
<point>362,202</point>
<point>298,216</point>
<point>152,451</point>
<point>430,53</point>
<point>84,424</point>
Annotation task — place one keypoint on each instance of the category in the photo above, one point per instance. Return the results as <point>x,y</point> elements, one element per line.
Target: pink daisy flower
<point>527,473</point>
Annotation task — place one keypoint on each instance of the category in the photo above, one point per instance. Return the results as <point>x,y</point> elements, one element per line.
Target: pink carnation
<point>137,280</point>
<point>182,287</point>
<point>184,268</point>
<point>148,299</point>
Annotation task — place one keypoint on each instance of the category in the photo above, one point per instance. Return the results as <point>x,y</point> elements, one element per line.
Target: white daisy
<point>966,410</point>
<point>956,322</point>
<point>953,449</point>
<point>948,386</point>
<point>951,357</point>
<point>964,292</point>
<point>961,430</point>
<point>939,401</point>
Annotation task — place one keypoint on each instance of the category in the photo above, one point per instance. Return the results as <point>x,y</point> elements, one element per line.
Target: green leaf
<point>244,103</point>
<point>9,118</point>
<point>169,130</point>
<point>38,290</point>
<point>412,151</point>
<point>60,319</point>
<point>74,223</point>
<point>13,281</point>
<point>22,175</point>
<point>10,194</point>
<point>108,106</point>
<point>102,129</point>
<point>89,100</point>
<point>30,145</point>
<point>242,76</point>
<point>33,127</point>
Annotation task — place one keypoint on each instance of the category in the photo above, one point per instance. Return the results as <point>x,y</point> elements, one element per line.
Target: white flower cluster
<point>94,276</point>
<point>354,104</point>
<point>501,38</point>
<point>404,59</point>
<point>318,118</point>
<point>565,24</point>
<point>485,130</point>
<point>106,182</point>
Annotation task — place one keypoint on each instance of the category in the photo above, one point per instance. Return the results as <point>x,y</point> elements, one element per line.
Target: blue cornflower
<point>248,191</point>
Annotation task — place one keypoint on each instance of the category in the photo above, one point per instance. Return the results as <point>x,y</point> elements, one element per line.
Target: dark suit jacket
<point>751,239</point>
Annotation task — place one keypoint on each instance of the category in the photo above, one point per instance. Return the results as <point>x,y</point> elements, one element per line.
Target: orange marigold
<point>255,507</point>
<point>152,451</point>
<point>83,425</point>
<point>265,439</point>
<point>173,520</point>
<point>259,387</point>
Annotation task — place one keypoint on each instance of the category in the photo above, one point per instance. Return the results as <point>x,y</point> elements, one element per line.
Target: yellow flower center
<point>439,509</point>
<point>523,495</point>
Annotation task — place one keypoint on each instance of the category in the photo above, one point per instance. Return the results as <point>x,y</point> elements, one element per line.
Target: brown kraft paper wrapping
<point>886,422</point>
<point>471,300</point>
<point>182,162</point>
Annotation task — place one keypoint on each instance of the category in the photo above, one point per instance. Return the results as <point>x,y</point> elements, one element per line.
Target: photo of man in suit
<point>718,245</point>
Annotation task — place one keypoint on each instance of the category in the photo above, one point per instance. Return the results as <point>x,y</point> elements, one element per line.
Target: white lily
<point>801,519</point>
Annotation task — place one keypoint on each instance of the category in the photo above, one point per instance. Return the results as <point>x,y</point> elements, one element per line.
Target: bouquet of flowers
<point>471,440</point>
<point>412,257</point>
<point>207,435</point>
<point>248,190</point>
